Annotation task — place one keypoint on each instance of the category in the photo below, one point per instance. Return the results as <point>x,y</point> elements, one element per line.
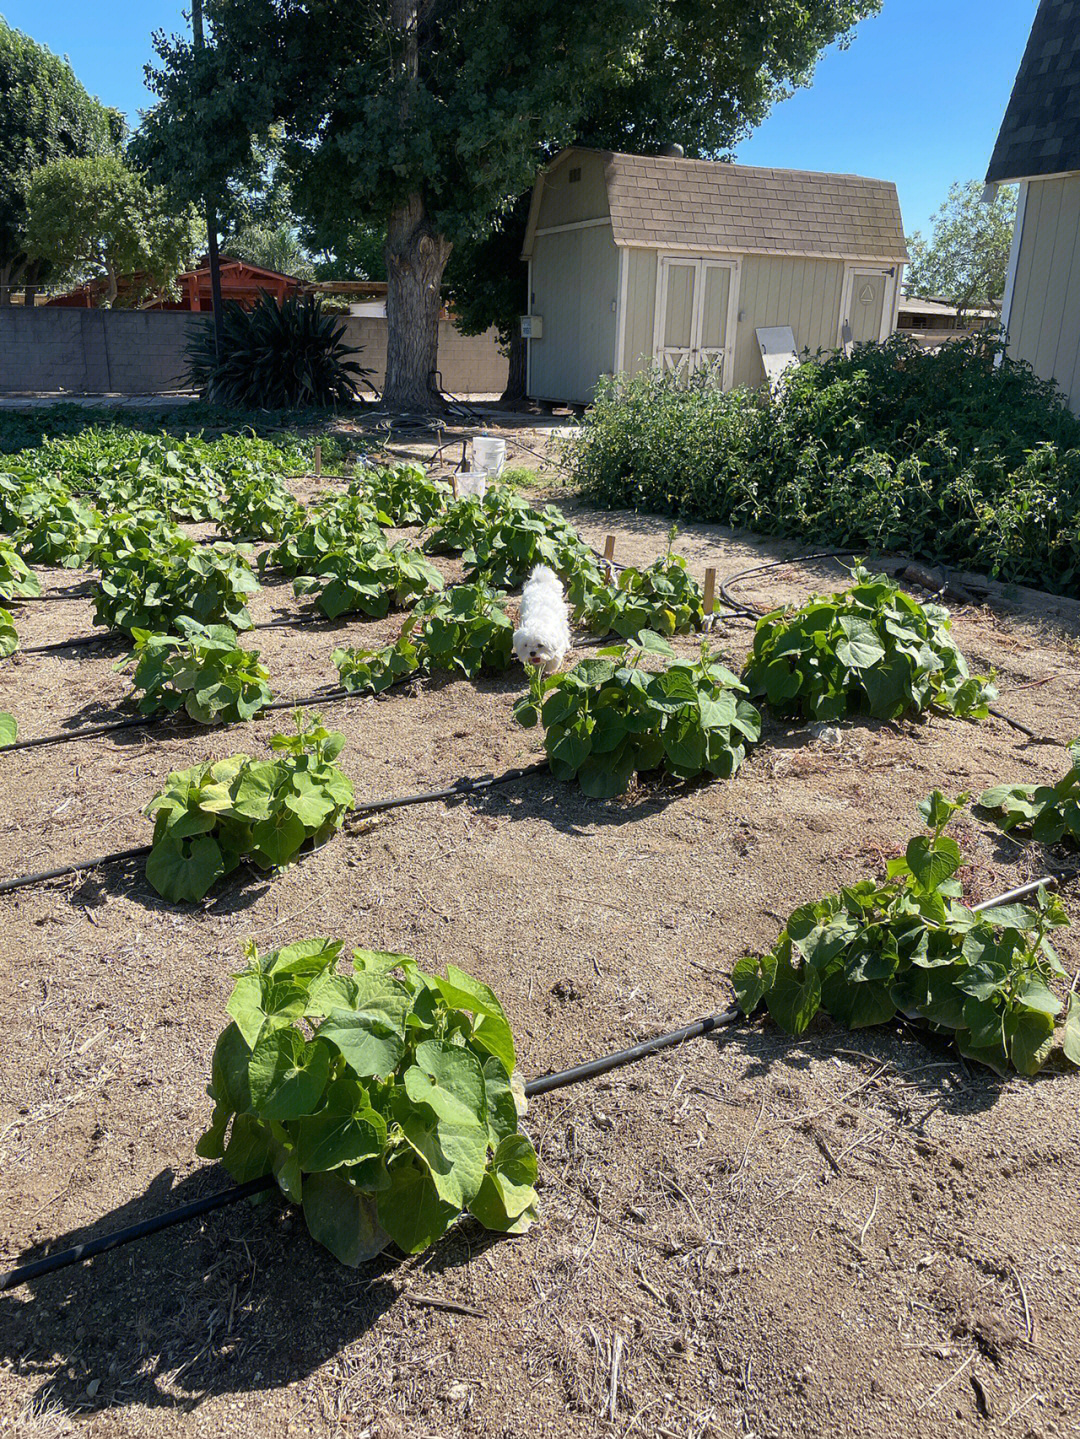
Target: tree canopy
<point>45,114</point>
<point>967,256</point>
<point>431,117</point>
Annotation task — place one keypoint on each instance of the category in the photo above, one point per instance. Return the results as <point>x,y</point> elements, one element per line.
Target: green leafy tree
<point>95,217</point>
<point>431,118</point>
<point>967,256</point>
<point>487,284</point>
<point>45,114</point>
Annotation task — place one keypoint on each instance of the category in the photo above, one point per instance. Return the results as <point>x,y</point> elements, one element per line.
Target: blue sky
<point>917,98</point>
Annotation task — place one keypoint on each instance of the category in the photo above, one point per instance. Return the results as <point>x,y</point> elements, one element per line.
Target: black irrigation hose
<point>458,790</point>
<point>24,1273</point>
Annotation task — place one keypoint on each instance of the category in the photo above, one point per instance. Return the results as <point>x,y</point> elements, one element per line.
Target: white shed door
<point>867,307</point>
<point>693,316</point>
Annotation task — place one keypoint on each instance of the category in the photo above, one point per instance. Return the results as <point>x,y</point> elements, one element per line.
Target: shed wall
<point>567,202</point>
<point>575,281</point>
<point>1044,320</point>
<point>775,290</point>
<point>640,310</point>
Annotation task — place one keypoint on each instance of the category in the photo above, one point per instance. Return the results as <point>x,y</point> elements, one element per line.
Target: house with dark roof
<point>1039,147</point>
<point>642,259</point>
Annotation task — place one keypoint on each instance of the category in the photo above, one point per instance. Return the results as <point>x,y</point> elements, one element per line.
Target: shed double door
<point>695,326</point>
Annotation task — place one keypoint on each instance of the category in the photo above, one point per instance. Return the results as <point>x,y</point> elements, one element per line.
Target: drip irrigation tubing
<point>111,636</point>
<point>460,789</point>
<point>544,1084</point>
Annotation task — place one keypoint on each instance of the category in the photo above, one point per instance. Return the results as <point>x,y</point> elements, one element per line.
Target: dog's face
<point>532,651</point>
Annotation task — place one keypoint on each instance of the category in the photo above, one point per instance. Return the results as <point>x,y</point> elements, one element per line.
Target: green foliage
<point>209,818</point>
<point>869,647</point>
<point>259,507</point>
<point>663,597</point>
<point>92,217</point>
<point>944,456</point>
<point>286,355</point>
<point>385,1101</point>
<point>466,521</point>
<point>465,630</point>
<point>912,945</point>
<point>403,493</point>
<point>966,259</point>
<point>370,578</point>
<point>518,537</point>
<point>9,730</point>
<point>335,524</point>
<point>16,581</point>
<point>9,638</point>
<point>1045,812</point>
<point>56,531</point>
<point>203,671</point>
<point>125,534</point>
<point>150,589</point>
<point>607,718</point>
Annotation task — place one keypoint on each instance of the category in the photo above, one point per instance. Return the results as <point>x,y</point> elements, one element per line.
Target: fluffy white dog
<point>543,637</point>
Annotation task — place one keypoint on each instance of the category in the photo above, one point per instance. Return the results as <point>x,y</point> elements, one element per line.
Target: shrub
<point>17,582</point>
<point>910,944</point>
<point>209,818</point>
<point>370,578</point>
<point>1045,812</point>
<point>202,671</point>
<point>385,1104</point>
<point>607,719</point>
<point>872,647</point>
<point>663,597</point>
<point>151,589</point>
<point>403,493</point>
<point>281,356</point>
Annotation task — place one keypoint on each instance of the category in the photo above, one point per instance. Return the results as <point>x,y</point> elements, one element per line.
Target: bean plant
<point>370,578</point>
<point>57,531</point>
<point>17,581</point>
<point>345,521</point>
<point>403,493</point>
<point>385,1102</point>
<point>663,596</point>
<point>520,537</point>
<point>150,589</point>
<point>608,719</point>
<point>911,945</point>
<point>202,670</point>
<point>209,818</point>
<point>870,647</point>
<point>9,638</point>
<point>259,507</point>
<point>1046,813</point>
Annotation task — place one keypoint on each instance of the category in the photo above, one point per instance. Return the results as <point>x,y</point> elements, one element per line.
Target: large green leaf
<point>506,1199</point>
<point>794,995</point>
<point>368,1043</point>
<point>492,1030</point>
<point>343,1219</point>
<point>411,1210</point>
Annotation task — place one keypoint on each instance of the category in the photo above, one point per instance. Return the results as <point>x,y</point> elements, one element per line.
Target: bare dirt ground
<point>746,1236</point>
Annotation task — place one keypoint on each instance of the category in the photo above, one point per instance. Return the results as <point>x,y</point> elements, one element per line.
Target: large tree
<point>431,117</point>
<point>967,256</point>
<point>45,114</point>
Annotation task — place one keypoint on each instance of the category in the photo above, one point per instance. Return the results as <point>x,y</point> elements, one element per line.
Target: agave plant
<point>276,356</point>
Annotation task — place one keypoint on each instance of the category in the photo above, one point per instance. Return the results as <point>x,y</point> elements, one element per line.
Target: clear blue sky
<point>917,98</point>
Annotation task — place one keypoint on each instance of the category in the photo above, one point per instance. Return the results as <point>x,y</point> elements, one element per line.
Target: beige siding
<point>1044,324</point>
<point>804,294</point>
<point>640,309</point>
<point>564,201</point>
<point>575,281</point>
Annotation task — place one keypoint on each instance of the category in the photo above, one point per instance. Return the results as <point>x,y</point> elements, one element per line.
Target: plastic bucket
<point>473,482</point>
<point>489,454</point>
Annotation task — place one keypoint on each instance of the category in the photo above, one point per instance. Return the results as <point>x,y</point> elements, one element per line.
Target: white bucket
<point>489,454</point>
<point>472,482</point>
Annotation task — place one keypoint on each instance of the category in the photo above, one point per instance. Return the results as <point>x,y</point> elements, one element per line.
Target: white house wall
<point>1044,314</point>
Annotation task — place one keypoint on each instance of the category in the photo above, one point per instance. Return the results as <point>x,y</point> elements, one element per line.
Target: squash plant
<point>336,524</point>
<point>371,578</point>
<point>607,718</point>
<point>259,507</point>
<point>1045,812</point>
<point>663,597</point>
<point>910,944</point>
<point>385,1102</point>
<point>870,647</point>
<point>520,537</point>
<point>9,638</point>
<point>17,581</point>
<point>203,671</point>
<point>210,817</point>
<point>9,730</point>
<point>150,589</point>
<point>403,493</point>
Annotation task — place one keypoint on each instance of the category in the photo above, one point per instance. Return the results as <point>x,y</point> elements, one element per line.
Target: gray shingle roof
<point>1040,134</point>
<point>660,201</point>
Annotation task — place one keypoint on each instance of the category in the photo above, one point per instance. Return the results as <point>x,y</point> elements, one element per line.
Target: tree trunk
<point>415,260</point>
<point>5,284</point>
<point>515,380</point>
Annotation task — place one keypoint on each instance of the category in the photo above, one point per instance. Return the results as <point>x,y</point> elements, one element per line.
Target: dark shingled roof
<point>1040,134</point>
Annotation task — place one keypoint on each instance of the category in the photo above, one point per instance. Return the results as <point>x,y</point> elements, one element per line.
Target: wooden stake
<point>609,548</point>
<point>710,591</point>
<point>318,460</point>
<point>454,485</point>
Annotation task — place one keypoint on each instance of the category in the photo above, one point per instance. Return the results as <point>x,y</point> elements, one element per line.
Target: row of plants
<point>960,456</point>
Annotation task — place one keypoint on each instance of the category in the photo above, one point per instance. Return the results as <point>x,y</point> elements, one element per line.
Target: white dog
<point>543,637</point>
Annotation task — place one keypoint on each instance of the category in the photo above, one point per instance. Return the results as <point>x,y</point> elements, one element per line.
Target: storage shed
<point>636,258</point>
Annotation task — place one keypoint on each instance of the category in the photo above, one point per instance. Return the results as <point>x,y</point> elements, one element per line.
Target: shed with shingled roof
<point>636,259</point>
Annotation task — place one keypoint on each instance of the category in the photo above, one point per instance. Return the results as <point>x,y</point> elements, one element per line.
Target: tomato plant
<point>1046,812</point>
<point>203,671</point>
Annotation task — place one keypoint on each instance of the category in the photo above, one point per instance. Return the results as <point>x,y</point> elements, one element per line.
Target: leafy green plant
<point>869,647</point>
<point>9,730</point>
<point>371,578</point>
<point>607,718</point>
<point>17,582</point>
<point>518,537</point>
<point>465,521</point>
<point>9,638</point>
<point>1046,812</point>
<point>127,532</point>
<point>663,597</point>
<point>259,507</point>
<point>203,671</point>
<point>911,945</point>
<point>283,354</point>
<point>335,524</point>
<point>403,493</point>
<point>57,531</point>
<point>385,1102</point>
<point>151,589</point>
<point>210,817</point>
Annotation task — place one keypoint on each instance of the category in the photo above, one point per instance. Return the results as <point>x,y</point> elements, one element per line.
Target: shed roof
<point>1040,134</point>
<point>668,202</point>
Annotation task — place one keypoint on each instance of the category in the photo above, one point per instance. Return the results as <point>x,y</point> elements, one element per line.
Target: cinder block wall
<point>141,352</point>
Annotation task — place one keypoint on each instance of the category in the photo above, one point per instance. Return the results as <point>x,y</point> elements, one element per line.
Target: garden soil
<point>749,1235</point>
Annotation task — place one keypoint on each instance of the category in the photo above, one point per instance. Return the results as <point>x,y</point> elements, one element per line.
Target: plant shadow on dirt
<point>211,1306</point>
<point>540,796</point>
<point>127,878</point>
